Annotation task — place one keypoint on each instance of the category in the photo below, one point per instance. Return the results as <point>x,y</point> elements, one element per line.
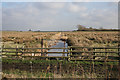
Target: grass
<point>81,38</point>
<point>54,62</point>
<point>93,39</point>
<point>16,73</point>
<point>67,69</point>
<point>28,39</point>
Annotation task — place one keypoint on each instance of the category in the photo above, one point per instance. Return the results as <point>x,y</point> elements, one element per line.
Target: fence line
<point>72,54</point>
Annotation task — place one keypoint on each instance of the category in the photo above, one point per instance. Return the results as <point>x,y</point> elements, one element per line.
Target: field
<point>91,39</point>
<point>60,68</point>
<point>94,39</point>
<point>25,39</point>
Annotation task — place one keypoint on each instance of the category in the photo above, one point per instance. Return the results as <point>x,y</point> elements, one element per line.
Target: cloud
<point>27,17</point>
<point>54,5</point>
<point>58,16</point>
<point>76,8</point>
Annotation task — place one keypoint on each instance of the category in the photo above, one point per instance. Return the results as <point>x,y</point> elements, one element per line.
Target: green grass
<point>16,73</point>
<point>55,62</point>
<point>65,66</point>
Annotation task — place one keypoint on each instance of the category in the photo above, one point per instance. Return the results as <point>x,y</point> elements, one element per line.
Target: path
<point>54,39</point>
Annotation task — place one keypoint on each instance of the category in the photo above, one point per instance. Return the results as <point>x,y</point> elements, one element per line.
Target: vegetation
<point>83,28</point>
<point>5,60</point>
<point>93,39</point>
<point>16,73</point>
<point>57,69</point>
<point>33,39</point>
<point>25,37</point>
<point>60,68</point>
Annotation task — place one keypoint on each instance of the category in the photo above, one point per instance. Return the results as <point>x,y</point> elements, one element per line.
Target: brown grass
<point>93,38</point>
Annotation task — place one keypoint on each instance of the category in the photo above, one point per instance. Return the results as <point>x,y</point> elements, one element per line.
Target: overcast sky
<point>57,16</point>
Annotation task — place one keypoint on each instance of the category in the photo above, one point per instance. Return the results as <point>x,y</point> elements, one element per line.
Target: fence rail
<point>36,48</point>
<point>70,47</point>
<point>73,52</point>
<point>32,52</point>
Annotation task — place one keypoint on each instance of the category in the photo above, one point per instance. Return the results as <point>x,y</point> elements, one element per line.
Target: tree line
<point>83,28</point>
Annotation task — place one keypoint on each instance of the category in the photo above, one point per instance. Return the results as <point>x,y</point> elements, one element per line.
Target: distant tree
<point>29,30</point>
<point>101,28</point>
<point>90,28</point>
<point>38,31</point>
<point>81,27</point>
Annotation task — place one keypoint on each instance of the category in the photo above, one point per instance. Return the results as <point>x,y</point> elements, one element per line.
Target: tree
<point>29,30</point>
<point>101,28</point>
<point>90,28</point>
<point>81,27</point>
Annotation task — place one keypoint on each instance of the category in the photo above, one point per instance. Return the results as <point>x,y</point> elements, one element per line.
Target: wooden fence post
<point>106,63</point>
<point>64,49</point>
<point>93,62</point>
<point>23,52</point>
<point>16,50</point>
<point>42,47</point>
<point>70,52</point>
<point>2,47</point>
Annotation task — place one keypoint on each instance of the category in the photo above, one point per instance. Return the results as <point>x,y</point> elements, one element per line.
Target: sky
<point>58,16</point>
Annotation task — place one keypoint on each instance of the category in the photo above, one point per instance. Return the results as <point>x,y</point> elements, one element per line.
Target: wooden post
<point>70,52</point>
<point>16,50</point>
<point>46,49</point>
<point>2,47</point>
<point>60,69</point>
<point>64,49</point>
<point>23,50</point>
<point>93,63</point>
<point>106,63</point>
<point>42,47</point>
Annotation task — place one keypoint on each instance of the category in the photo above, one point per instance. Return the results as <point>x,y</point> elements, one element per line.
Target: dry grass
<point>75,38</point>
<point>29,39</point>
<point>94,39</point>
<point>33,39</point>
<point>22,37</point>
